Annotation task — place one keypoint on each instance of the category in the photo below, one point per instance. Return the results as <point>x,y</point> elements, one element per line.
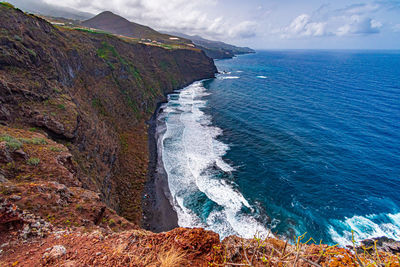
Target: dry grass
<point>236,251</point>
<point>172,257</point>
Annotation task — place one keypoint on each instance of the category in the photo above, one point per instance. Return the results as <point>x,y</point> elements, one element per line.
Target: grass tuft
<point>172,257</point>
<point>11,142</point>
<point>33,161</point>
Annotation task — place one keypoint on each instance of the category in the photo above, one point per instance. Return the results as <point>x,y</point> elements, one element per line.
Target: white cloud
<point>173,15</point>
<point>361,8</point>
<point>303,26</point>
<point>359,25</point>
<point>396,28</point>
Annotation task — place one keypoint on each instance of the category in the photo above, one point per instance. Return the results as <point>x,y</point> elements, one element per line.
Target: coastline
<point>158,213</point>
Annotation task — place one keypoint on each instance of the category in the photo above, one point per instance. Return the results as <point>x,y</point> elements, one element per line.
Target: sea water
<point>289,142</point>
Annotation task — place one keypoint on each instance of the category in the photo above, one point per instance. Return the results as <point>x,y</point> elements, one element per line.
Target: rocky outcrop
<point>93,93</point>
<point>380,243</point>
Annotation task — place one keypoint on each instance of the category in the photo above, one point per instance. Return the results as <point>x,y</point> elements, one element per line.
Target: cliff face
<point>92,93</point>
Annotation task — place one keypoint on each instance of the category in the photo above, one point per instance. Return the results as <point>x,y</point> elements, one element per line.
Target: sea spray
<point>192,159</point>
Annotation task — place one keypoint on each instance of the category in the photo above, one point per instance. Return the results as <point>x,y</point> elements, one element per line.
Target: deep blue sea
<point>289,142</point>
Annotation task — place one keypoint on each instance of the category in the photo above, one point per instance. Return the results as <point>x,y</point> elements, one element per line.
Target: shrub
<point>56,149</point>
<point>33,141</point>
<point>61,106</point>
<point>33,161</point>
<point>11,142</point>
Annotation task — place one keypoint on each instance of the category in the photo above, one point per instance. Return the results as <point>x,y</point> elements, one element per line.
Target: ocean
<point>287,143</point>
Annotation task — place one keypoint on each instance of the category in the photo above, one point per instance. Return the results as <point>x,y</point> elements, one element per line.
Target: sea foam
<point>365,227</point>
<point>192,159</point>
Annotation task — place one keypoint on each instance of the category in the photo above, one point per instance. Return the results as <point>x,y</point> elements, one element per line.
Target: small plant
<point>33,161</point>
<point>56,149</point>
<point>17,38</point>
<point>57,90</point>
<point>32,52</point>
<point>61,106</point>
<point>33,129</point>
<point>38,141</point>
<point>33,141</point>
<point>11,142</point>
<point>111,223</point>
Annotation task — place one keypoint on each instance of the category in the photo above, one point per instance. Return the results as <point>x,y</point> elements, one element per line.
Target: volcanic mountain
<point>110,22</point>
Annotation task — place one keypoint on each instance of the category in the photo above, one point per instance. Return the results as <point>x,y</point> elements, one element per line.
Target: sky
<point>265,24</point>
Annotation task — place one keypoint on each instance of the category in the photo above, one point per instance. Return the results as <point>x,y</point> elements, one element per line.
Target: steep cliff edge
<point>92,93</point>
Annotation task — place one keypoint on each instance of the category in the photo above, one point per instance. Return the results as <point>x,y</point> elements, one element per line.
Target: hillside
<point>74,157</point>
<point>215,49</point>
<point>110,22</point>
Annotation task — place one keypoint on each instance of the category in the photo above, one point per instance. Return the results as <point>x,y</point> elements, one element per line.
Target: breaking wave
<point>198,177</point>
<point>365,227</point>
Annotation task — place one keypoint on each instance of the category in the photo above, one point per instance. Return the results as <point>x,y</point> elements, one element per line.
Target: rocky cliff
<point>92,93</point>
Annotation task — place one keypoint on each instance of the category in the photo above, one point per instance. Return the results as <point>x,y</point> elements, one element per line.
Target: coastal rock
<point>382,243</point>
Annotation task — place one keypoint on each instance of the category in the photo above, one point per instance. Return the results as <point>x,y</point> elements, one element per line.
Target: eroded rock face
<point>93,91</point>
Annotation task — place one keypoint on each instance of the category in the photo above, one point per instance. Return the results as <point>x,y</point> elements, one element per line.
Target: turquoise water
<point>289,142</point>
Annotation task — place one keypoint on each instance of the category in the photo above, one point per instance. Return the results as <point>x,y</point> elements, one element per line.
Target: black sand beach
<point>158,214</point>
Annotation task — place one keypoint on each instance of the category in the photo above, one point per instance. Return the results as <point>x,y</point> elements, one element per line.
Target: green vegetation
<point>91,31</point>
<point>61,106</point>
<point>33,161</point>
<point>33,141</point>
<point>56,149</point>
<point>111,222</point>
<point>32,52</point>
<point>32,129</point>
<point>17,38</point>
<point>57,90</point>
<point>6,4</point>
<point>96,103</point>
<point>107,51</point>
<point>11,142</point>
<point>16,143</point>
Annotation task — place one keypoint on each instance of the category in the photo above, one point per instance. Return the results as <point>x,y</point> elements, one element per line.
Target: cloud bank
<point>355,19</point>
<point>173,15</point>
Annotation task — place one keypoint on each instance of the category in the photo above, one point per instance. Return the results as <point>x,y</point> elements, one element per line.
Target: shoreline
<point>158,213</point>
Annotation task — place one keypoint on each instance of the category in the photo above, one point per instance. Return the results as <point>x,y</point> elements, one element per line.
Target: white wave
<point>228,77</point>
<point>239,71</point>
<point>262,77</point>
<point>366,227</point>
<point>191,154</point>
